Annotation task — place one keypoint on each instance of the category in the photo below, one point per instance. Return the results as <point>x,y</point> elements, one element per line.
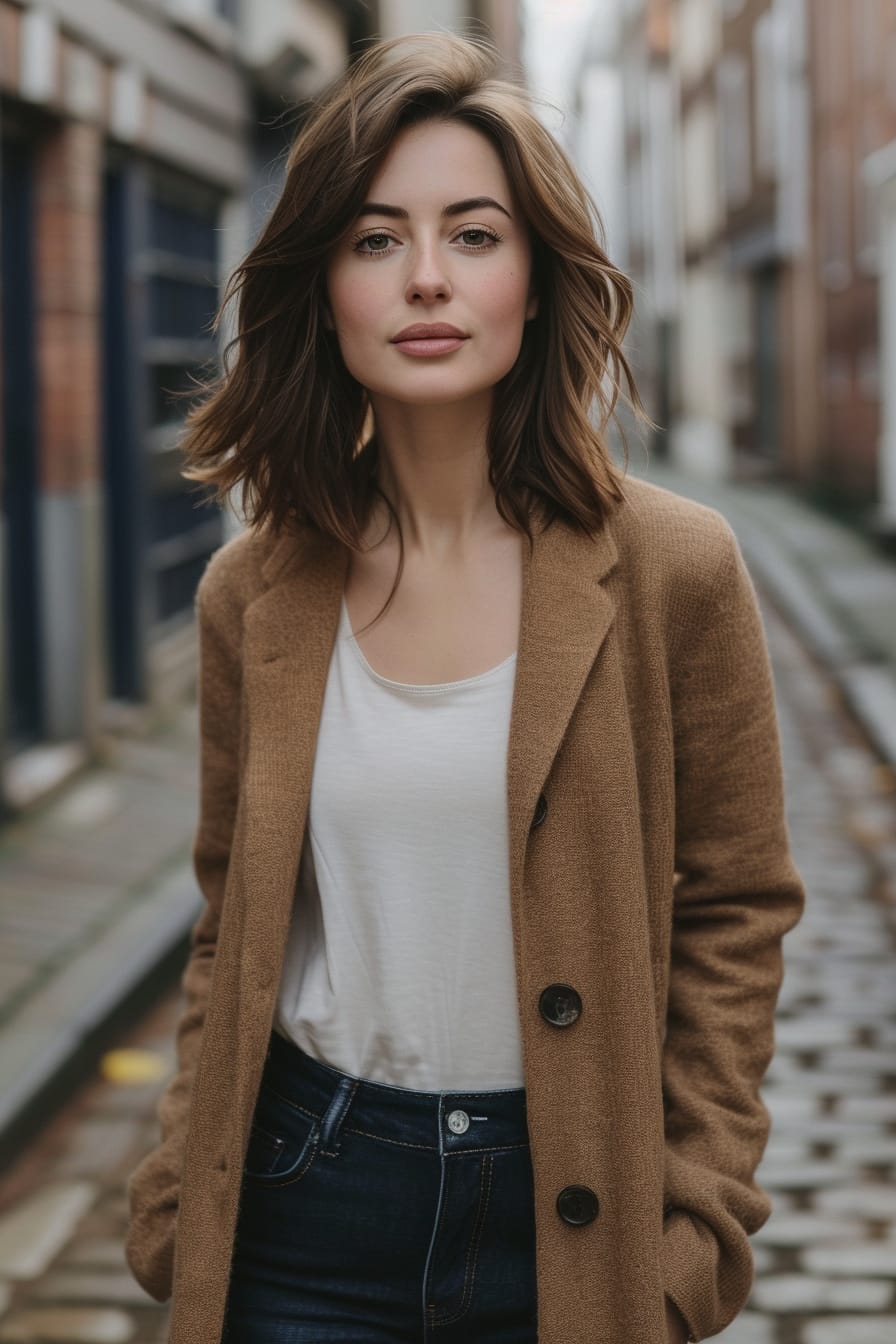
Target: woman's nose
<point>428,276</point>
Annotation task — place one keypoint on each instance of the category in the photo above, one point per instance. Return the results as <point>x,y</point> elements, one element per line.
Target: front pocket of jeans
<point>283,1143</point>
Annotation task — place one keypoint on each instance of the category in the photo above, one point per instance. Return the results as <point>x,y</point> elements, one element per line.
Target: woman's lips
<point>430,345</point>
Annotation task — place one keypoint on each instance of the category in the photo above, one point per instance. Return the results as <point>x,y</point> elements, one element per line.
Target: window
<point>181,270</point>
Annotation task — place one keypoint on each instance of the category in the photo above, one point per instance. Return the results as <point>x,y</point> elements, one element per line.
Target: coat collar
<point>290,629</point>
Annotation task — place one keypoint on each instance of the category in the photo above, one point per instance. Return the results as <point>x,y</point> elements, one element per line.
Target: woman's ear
<point>531,307</point>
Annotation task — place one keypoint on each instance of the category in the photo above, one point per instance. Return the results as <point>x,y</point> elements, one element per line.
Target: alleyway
<point>826,1260</point>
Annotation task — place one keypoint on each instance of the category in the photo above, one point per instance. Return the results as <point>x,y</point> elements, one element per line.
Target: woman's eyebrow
<point>456,208</point>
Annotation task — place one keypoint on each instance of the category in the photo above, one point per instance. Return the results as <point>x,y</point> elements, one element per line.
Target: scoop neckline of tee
<point>415,688</point>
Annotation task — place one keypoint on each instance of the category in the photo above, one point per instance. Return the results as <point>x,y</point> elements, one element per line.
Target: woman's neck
<point>433,467</point>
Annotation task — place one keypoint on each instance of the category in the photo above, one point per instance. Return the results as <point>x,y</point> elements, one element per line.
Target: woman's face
<point>441,240</point>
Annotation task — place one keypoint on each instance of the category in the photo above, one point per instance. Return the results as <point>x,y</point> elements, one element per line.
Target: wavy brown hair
<point>285,421</point>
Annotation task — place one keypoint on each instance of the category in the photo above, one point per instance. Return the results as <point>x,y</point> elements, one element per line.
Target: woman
<point>491,832</point>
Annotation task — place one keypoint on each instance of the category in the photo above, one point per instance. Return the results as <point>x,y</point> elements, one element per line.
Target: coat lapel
<point>565,618</point>
<point>288,636</point>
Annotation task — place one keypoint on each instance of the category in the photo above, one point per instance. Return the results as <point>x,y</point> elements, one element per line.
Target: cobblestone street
<point>826,1260</point>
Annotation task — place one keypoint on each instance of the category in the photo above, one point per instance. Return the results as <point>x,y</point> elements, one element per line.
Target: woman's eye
<point>480,237</point>
<point>376,238</point>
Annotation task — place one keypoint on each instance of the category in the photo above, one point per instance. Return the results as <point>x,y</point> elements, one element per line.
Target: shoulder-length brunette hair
<point>287,421</point>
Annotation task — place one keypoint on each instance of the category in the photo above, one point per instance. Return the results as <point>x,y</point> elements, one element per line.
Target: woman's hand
<point>676,1328</point>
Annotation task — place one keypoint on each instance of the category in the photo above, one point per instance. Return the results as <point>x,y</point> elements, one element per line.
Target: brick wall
<point>67,203</point>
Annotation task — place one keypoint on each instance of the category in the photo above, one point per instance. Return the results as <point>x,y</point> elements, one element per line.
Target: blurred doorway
<point>767,374</point>
<point>122,458</point>
<point>160,293</point>
<point>21,599</point>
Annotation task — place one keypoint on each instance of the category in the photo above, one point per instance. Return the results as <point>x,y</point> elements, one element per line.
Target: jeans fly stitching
<point>472,1249</point>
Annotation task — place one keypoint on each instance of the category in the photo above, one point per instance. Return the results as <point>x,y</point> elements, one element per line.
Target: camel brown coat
<point>658,886</point>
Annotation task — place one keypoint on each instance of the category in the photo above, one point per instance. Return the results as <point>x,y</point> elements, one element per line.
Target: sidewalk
<point>836,590</point>
<point>96,901</point>
<point>96,891</point>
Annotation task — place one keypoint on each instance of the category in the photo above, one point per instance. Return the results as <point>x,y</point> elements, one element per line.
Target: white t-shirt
<point>399,963</point>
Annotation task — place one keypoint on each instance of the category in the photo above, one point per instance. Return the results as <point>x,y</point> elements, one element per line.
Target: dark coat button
<point>541,811</point>
<point>560,1005</point>
<point>577,1205</point>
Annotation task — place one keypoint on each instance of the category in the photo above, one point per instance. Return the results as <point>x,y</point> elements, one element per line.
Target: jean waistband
<point>443,1121</point>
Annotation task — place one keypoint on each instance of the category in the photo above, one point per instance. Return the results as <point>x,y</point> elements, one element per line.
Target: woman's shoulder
<point>234,573</point>
<point>656,528</point>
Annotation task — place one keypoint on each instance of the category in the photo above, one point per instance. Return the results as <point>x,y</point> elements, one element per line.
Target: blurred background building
<point>142,148</point>
<point>751,189</point>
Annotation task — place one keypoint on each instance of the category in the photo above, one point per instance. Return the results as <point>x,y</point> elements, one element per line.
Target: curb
<point>47,1049</point>
<point>868,685</point>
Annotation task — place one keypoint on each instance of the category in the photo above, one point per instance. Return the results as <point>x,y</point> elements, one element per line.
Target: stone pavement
<point>95,894</point>
<point>63,1211</point>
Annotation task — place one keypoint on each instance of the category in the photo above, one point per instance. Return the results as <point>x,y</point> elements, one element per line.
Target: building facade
<point>649,140</point>
<point>701,404</point>
<point>854,130</point>
<point>722,228</point>
<point>805,104</point>
<point>131,159</point>
<point>595,136</point>
<point>766,343</point>
<point>766,169</point>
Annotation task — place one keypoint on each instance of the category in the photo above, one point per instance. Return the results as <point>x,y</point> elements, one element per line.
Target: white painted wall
<point>703,344</point>
<point>697,37</point>
<point>664,258</point>
<point>701,440</point>
<point>700,197</point>
<point>598,152</point>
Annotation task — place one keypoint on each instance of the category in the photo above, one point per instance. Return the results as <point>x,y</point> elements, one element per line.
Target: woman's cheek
<point>358,358</point>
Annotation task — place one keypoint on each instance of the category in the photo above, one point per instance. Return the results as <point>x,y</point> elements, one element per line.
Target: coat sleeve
<point>153,1187</point>
<point>736,894</point>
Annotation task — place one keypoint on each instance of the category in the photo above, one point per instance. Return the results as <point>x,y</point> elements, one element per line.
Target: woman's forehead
<point>434,166</point>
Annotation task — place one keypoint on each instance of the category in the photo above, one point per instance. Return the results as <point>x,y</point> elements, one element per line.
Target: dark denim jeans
<point>372,1214</point>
